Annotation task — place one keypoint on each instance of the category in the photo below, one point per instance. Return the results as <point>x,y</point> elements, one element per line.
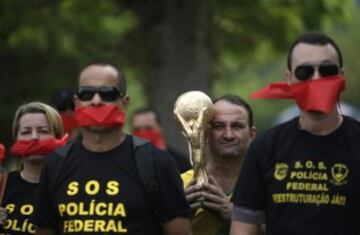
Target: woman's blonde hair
<point>52,116</point>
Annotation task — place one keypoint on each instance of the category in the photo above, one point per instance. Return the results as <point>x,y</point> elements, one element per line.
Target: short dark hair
<point>314,38</point>
<point>237,100</point>
<point>148,110</point>
<point>120,75</point>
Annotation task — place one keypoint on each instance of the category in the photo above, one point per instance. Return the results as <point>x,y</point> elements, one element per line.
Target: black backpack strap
<point>56,162</point>
<point>64,150</point>
<point>145,165</point>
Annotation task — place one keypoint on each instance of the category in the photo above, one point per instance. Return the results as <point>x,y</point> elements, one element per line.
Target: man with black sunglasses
<point>97,187</point>
<point>302,177</point>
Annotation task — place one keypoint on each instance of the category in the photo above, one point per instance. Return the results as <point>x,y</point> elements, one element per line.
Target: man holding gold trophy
<point>227,128</point>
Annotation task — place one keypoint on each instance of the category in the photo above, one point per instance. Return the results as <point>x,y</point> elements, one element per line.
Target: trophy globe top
<point>190,104</point>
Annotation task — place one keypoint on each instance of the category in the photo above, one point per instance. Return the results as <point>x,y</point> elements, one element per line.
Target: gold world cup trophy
<point>193,110</point>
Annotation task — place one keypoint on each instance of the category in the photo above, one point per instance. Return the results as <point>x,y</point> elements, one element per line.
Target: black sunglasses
<point>306,71</point>
<point>107,93</point>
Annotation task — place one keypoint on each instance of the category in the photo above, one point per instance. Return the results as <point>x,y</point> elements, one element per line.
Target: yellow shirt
<point>205,222</point>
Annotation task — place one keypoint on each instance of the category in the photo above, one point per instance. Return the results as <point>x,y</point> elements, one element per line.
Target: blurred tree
<point>263,67</point>
<point>189,44</point>
<point>171,46</point>
<point>44,44</point>
<point>348,36</point>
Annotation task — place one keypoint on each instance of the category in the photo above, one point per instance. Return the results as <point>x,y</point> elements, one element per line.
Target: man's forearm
<point>242,228</point>
<point>177,226</point>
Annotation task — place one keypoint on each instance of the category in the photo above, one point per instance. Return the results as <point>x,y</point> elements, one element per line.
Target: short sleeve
<point>249,191</point>
<point>172,201</point>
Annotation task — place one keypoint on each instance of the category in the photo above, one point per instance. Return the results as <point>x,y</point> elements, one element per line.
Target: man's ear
<point>76,101</point>
<point>342,71</point>
<point>288,76</point>
<point>253,132</point>
<point>125,101</point>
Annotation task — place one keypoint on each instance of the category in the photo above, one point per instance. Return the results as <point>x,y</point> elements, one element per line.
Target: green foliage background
<point>44,45</point>
<point>268,64</point>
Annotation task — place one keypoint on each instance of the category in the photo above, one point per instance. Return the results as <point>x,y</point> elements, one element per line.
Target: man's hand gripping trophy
<point>194,110</point>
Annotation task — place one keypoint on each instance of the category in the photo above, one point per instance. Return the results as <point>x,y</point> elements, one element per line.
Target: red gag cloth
<point>69,121</point>
<point>25,148</point>
<point>104,116</point>
<point>155,137</point>
<point>2,152</point>
<point>312,95</point>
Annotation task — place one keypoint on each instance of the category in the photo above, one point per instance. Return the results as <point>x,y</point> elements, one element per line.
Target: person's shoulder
<point>351,121</point>
<point>284,127</point>
<point>14,180</point>
<point>129,139</point>
<point>264,146</point>
<point>159,154</point>
<point>13,175</point>
<point>65,150</point>
<point>279,131</point>
<point>137,142</point>
<point>351,125</point>
<point>163,160</point>
<point>159,158</point>
<point>63,155</point>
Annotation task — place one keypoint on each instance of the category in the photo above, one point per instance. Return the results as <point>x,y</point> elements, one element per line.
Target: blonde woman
<point>37,131</point>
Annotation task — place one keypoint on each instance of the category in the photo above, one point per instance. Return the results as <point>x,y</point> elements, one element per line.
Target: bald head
<point>103,74</point>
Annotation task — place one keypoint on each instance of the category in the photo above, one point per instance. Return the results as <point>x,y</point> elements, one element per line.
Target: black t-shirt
<point>102,193</point>
<point>19,200</point>
<point>306,184</point>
